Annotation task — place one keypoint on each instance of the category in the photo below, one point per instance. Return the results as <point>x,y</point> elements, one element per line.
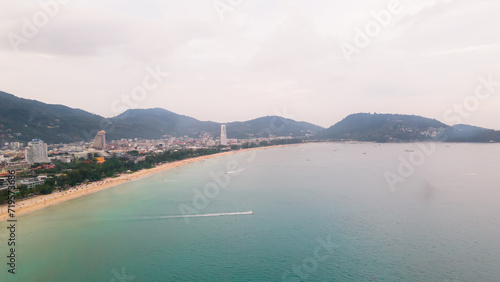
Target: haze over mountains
<point>404,128</point>
<point>23,120</point>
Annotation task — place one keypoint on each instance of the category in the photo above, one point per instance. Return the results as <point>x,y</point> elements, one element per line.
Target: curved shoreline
<point>42,201</point>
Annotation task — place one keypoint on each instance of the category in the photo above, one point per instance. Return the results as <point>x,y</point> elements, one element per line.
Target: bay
<point>322,211</point>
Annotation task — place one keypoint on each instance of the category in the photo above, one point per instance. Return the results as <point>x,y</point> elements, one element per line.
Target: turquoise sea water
<point>322,212</point>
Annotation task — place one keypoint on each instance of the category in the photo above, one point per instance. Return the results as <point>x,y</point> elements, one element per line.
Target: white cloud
<point>265,55</point>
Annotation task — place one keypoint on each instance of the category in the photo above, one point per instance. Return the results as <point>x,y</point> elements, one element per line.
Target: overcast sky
<point>242,59</point>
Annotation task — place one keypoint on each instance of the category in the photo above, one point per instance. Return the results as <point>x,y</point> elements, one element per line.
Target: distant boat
<point>409,151</point>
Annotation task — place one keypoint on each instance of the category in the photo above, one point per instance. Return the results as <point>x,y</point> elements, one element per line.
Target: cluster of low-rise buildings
<point>15,156</point>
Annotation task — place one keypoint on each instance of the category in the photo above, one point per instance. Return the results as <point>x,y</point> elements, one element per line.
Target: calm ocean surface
<point>322,212</point>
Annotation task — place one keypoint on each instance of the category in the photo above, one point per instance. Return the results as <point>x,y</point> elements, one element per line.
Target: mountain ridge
<point>404,128</point>
<point>25,119</point>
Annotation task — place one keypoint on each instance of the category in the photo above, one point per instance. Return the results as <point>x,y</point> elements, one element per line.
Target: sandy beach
<point>42,201</point>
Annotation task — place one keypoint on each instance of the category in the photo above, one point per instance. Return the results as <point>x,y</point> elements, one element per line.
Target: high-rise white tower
<point>36,152</point>
<point>100,140</point>
<point>223,135</point>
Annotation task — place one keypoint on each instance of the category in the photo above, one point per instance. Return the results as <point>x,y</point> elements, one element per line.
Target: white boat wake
<point>470,174</point>
<point>235,171</point>
<point>183,181</point>
<point>198,215</point>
